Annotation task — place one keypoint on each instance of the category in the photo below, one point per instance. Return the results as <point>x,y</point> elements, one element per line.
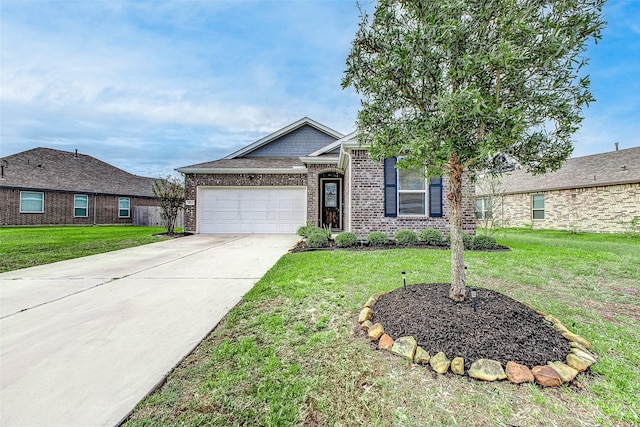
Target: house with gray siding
<point>308,172</point>
<point>596,193</point>
<point>43,186</point>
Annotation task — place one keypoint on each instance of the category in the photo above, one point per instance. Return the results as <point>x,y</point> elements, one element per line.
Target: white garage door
<point>251,209</point>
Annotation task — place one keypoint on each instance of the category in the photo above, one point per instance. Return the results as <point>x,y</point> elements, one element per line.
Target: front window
<point>31,202</point>
<point>483,208</point>
<point>124,207</point>
<point>412,192</point>
<point>537,202</point>
<point>80,205</point>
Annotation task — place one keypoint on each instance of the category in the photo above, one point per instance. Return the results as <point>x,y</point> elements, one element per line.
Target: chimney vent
<point>76,155</point>
<point>616,144</point>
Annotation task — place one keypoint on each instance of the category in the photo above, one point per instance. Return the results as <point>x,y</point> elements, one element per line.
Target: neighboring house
<point>307,172</point>
<point>598,193</point>
<point>43,186</point>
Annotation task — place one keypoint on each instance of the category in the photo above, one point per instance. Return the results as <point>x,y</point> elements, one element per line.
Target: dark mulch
<point>301,246</point>
<point>501,329</point>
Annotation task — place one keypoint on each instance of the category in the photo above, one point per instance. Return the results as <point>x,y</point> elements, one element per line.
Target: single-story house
<point>43,186</point>
<point>596,193</point>
<point>307,172</point>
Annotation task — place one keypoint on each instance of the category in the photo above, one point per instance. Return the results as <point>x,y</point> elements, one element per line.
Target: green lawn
<point>291,353</point>
<point>22,247</point>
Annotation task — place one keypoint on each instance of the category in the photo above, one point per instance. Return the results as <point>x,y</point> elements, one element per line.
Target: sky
<point>150,86</point>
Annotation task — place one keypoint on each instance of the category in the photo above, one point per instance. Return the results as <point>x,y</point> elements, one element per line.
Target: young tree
<point>171,193</point>
<point>464,85</point>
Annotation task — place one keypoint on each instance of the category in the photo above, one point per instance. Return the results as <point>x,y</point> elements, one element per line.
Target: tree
<point>465,85</point>
<point>171,193</point>
<point>490,204</point>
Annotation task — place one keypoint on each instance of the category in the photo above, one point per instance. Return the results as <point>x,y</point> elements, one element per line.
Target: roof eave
<point>293,170</point>
<point>320,160</point>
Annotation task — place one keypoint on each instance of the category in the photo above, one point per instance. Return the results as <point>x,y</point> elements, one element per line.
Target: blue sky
<point>149,86</point>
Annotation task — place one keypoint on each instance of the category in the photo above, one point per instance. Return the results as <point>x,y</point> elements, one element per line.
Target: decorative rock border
<point>551,375</point>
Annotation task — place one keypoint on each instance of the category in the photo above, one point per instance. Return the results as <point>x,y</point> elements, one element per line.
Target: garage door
<point>251,210</point>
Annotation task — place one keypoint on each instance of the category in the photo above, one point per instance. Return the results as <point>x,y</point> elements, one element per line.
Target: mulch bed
<point>501,329</point>
<point>301,246</point>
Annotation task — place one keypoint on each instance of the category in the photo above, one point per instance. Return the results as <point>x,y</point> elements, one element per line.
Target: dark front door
<point>330,204</point>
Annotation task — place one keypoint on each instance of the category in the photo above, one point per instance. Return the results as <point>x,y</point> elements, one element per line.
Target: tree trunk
<point>458,290</point>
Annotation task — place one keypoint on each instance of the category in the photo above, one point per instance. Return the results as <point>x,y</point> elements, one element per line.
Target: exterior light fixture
<point>474,296</point>
<point>404,279</point>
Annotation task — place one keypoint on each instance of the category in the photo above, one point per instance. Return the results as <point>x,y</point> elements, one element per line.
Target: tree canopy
<point>469,85</point>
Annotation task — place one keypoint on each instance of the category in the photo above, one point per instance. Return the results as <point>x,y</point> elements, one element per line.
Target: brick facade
<point>608,209</point>
<point>59,209</point>
<point>193,181</point>
<point>315,172</point>
<point>366,192</point>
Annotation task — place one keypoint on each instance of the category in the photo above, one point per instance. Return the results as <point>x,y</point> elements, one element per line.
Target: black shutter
<point>390,188</point>
<point>435,197</point>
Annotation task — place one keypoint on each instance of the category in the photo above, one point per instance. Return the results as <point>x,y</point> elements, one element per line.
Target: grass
<point>29,246</point>
<point>291,353</point>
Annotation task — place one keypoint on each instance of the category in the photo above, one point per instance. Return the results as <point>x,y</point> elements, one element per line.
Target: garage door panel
<point>251,210</point>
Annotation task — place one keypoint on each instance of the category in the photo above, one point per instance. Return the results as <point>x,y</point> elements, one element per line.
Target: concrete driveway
<point>83,341</point>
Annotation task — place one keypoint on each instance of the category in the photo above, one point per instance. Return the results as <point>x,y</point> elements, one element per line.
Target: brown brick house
<point>309,172</point>
<point>597,193</point>
<point>43,186</point>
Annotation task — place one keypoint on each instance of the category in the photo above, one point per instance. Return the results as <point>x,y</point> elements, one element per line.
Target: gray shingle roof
<point>615,167</point>
<point>49,169</point>
<point>249,163</point>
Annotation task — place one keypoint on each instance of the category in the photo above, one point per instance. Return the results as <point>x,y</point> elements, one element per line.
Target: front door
<point>330,204</point>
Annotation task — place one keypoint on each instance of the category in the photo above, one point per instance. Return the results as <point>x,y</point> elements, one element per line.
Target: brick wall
<point>59,209</point>
<point>596,209</point>
<point>313,191</point>
<point>366,191</point>
<point>193,181</point>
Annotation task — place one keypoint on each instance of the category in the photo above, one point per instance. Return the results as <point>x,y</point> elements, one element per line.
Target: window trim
<point>75,207</point>
<point>120,208</point>
<point>41,193</point>
<point>534,209</point>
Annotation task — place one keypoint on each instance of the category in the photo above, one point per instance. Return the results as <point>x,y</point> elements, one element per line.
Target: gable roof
<point>305,121</point>
<point>611,168</point>
<point>48,169</point>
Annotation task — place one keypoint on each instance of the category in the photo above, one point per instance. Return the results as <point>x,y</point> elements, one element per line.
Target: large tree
<point>466,85</point>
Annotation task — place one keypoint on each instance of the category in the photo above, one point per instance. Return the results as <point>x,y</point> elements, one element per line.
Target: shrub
<point>467,241</point>
<point>377,238</point>
<point>406,238</point>
<point>346,239</point>
<point>484,242</point>
<point>432,237</point>
<point>305,230</point>
<point>317,239</point>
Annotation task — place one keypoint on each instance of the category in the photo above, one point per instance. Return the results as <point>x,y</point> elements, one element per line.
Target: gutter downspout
<point>342,150</point>
<point>94,208</point>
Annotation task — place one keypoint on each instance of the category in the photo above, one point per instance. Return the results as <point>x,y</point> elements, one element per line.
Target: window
<point>483,208</point>
<point>80,205</point>
<point>124,207</point>
<point>405,192</point>
<point>31,202</point>
<point>537,202</point>
<point>412,193</point>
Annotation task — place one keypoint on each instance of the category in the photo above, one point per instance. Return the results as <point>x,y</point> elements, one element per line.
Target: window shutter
<point>435,197</point>
<point>390,188</point>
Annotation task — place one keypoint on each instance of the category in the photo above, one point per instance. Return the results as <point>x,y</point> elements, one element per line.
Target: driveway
<point>83,341</point>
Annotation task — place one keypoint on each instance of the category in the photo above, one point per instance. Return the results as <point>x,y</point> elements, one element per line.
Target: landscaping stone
<point>385,343</point>
<point>422,356</point>
<point>584,355</point>
<point>405,347</point>
<point>370,302</point>
<point>560,327</point>
<point>440,363</point>
<point>365,314</point>
<point>457,365</point>
<point>546,376</point>
<point>577,338</point>
<point>366,325</point>
<point>517,373</point>
<point>574,344</point>
<point>566,372</point>
<point>577,362</point>
<point>487,370</point>
<point>376,331</point>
